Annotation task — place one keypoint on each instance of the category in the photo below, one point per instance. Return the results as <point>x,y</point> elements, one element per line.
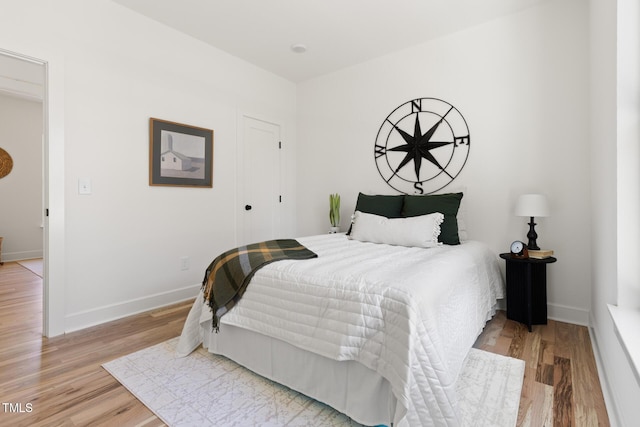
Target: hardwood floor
<point>561,384</point>
<point>60,381</point>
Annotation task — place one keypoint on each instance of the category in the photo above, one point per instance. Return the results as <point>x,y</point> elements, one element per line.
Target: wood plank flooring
<point>561,384</point>
<point>60,381</point>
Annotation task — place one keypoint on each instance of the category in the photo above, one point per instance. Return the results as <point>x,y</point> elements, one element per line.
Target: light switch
<point>84,186</point>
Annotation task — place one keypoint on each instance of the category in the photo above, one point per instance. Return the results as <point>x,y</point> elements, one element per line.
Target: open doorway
<point>22,189</point>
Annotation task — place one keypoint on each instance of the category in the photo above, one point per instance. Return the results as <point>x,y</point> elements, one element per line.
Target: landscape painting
<point>180,155</point>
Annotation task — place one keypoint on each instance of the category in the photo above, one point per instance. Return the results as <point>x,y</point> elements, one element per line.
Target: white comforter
<point>410,314</point>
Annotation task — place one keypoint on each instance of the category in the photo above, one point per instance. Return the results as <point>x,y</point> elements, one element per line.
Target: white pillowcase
<point>420,231</point>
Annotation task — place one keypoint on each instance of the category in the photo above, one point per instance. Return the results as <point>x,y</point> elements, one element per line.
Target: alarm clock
<point>519,250</point>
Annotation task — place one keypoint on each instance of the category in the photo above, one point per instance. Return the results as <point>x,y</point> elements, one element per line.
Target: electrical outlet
<point>184,263</point>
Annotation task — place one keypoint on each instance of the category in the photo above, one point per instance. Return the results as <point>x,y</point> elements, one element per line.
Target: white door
<point>260,197</point>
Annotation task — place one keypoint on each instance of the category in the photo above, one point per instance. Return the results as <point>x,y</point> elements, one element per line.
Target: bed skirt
<point>346,386</point>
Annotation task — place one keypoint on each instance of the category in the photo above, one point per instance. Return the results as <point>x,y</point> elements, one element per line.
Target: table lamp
<point>532,205</point>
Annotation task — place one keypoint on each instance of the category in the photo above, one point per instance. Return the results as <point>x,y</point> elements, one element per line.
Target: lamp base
<point>532,236</point>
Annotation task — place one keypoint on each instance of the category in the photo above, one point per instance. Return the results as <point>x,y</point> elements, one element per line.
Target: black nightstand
<point>527,289</point>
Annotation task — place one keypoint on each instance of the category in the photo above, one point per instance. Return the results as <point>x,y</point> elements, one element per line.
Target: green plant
<point>334,209</point>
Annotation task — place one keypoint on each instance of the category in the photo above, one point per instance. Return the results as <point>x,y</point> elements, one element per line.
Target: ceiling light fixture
<point>298,48</point>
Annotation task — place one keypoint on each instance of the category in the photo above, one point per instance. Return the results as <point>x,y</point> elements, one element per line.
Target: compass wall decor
<point>414,161</point>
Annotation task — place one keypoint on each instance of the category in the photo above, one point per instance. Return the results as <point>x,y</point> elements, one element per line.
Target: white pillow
<point>420,231</point>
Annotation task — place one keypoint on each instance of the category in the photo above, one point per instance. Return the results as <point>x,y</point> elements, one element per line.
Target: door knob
<point>247,207</point>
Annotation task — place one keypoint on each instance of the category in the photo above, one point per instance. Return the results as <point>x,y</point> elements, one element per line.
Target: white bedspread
<point>410,314</point>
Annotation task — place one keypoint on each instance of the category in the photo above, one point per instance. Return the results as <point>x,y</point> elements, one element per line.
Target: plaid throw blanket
<point>228,275</point>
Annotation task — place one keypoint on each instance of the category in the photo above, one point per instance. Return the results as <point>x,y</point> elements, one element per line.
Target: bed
<point>377,331</point>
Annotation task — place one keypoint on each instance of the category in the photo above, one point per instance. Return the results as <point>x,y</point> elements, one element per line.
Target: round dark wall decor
<point>422,146</point>
<point>6,163</point>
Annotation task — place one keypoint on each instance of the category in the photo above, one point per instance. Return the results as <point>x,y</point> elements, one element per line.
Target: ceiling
<point>337,33</point>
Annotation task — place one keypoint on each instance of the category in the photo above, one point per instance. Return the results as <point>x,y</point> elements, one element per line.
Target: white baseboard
<point>612,408</point>
<point>563,313</point>
<point>21,256</point>
<point>107,313</point>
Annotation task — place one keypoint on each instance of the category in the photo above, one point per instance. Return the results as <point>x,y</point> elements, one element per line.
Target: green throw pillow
<point>389,206</point>
<point>383,205</point>
<point>447,204</point>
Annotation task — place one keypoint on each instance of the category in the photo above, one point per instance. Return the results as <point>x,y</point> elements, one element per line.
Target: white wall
<point>608,202</point>
<point>21,212</point>
<point>123,242</point>
<point>521,82</point>
<point>628,130</point>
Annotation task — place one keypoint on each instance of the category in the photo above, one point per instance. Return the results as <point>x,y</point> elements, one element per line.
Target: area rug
<point>203,389</point>
<point>35,265</point>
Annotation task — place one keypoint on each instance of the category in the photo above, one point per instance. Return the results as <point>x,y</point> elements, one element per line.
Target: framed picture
<point>180,155</point>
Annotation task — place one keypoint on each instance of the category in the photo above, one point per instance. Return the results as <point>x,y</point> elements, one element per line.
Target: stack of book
<point>540,254</point>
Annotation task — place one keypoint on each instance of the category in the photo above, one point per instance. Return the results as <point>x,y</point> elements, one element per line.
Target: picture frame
<point>180,155</point>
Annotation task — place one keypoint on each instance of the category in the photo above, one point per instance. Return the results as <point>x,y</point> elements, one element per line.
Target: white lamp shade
<point>532,205</point>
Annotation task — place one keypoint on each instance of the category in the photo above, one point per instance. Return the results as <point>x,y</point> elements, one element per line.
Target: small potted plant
<point>334,212</point>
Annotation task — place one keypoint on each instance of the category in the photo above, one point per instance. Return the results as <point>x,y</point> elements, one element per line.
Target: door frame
<point>53,308</point>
